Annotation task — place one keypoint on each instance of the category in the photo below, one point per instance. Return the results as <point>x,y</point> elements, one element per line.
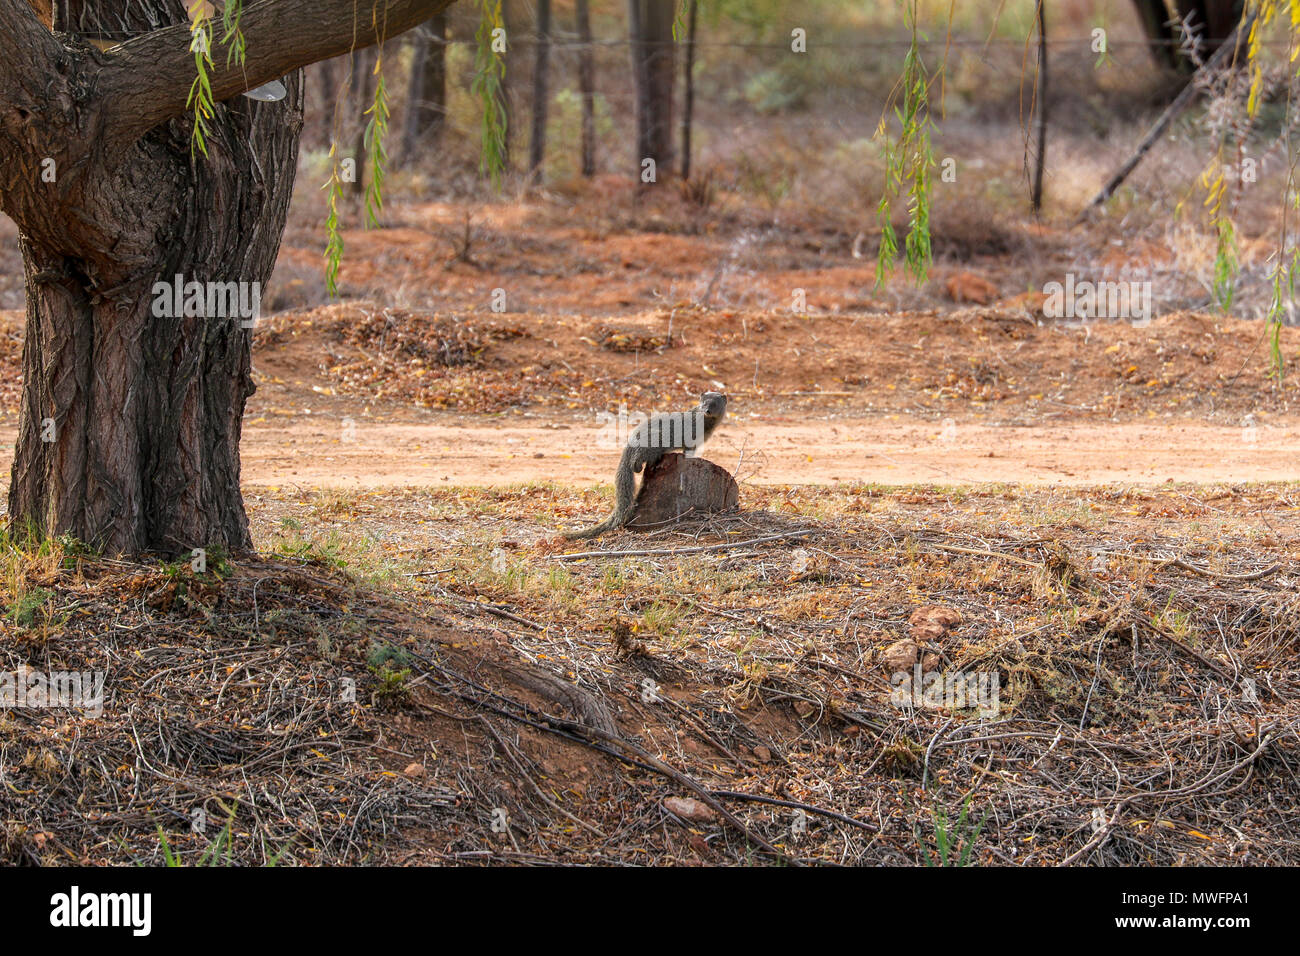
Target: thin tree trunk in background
<point>1161,39</point>
<point>426,109</point>
<point>541,65</point>
<point>1040,100</point>
<point>688,77</point>
<point>587,89</point>
<point>433,98</point>
<point>650,24</point>
<point>508,76</point>
<point>1212,21</point>
<point>329,91</point>
<point>363,81</point>
<point>414,88</point>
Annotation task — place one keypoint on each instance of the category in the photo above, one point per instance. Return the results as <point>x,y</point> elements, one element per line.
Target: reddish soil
<point>359,393</point>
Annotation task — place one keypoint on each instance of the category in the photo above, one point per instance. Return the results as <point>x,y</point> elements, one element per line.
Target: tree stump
<point>678,485</point>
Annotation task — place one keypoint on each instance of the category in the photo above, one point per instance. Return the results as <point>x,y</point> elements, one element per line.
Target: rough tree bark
<point>650,24</point>
<point>142,415</point>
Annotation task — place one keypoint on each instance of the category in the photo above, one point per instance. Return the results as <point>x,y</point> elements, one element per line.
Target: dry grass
<point>1144,642</point>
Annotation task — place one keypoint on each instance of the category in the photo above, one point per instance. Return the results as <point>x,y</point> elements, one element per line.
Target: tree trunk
<point>688,78</point>
<point>541,66</point>
<point>363,80</point>
<point>1161,38</point>
<point>427,110</point>
<point>676,486</point>
<point>1212,21</point>
<point>130,422</point>
<point>510,21</point>
<point>587,88</point>
<point>142,415</point>
<point>653,67</point>
<point>1040,118</point>
<point>329,91</point>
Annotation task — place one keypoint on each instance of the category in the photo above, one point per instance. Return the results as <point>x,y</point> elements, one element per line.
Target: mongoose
<point>652,439</point>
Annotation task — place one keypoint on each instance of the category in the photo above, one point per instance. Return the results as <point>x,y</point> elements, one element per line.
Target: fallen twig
<point>646,552</point>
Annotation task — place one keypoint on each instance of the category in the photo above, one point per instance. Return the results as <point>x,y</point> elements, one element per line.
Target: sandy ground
<point>773,450</point>
<point>780,452</point>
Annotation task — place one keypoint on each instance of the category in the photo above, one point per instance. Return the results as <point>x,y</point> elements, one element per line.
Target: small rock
<point>927,632</point>
<point>414,770</point>
<point>931,622</point>
<point>901,655</point>
<point>930,662</point>
<point>762,754</point>
<point>689,809</point>
<point>945,617</point>
<point>968,287</point>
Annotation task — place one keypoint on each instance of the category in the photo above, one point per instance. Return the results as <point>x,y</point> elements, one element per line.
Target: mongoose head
<point>714,404</point>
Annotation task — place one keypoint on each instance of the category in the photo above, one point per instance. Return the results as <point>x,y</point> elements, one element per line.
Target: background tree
<point>650,29</point>
<point>587,87</point>
<point>130,423</point>
<point>514,31</point>
<point>541,95</point>
<point>688,80</point>
<point>1211,22</point>
<point>426,113</point>
<point>362,72</point>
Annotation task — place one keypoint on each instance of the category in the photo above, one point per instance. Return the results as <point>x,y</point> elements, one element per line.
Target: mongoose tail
<point>624,485</point>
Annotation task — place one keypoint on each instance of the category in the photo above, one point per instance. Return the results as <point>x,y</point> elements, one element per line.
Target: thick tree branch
<point>25,44</point>
<point>29,54</point>
<point>148,80</point>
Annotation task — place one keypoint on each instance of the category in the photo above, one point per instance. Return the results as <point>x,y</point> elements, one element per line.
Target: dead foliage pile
<point>615,339</point>
<point>417,359</point>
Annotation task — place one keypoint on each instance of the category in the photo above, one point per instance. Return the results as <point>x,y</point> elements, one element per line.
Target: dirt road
<point>772,450</point>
